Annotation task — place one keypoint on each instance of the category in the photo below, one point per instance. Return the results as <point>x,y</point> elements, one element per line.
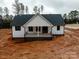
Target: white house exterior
<point>39,25</point>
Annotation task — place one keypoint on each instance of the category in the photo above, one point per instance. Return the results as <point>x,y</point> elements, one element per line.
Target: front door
<point>45,29</point>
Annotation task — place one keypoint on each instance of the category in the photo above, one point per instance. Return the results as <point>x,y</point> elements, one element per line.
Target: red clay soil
<point>60,47</point>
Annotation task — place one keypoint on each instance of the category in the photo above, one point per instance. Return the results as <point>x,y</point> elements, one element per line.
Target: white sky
<point>50,6</point>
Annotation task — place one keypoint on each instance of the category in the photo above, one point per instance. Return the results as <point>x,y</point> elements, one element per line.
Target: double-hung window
<point>17,28</point>
<point>30,29</point>
<point>58,27</point>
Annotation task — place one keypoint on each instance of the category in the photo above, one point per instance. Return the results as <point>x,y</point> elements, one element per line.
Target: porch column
<point>41,29</point>
<point>34,29</point>
<point>25,31</point>
<point>38,30</point>
<point>49,29</point>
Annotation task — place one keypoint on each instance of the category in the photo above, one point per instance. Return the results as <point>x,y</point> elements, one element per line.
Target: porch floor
<point>38,35</point>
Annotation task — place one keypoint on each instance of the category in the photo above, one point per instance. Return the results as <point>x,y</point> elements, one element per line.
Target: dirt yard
<point>61,47</point>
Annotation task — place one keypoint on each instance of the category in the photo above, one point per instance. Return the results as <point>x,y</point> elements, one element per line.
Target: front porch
<point>38,31</point>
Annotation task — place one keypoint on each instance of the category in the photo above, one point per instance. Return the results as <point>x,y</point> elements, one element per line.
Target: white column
<point>41,29</point>
<point>38,30</point>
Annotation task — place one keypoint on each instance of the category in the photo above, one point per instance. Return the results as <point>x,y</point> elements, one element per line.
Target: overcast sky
<point>50,6</point>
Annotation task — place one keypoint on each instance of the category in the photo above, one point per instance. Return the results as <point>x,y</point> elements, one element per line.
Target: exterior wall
<point>58,32</point>
<point>27,30</point>
<point>49,29</point>
<point>37,21</point>
<point>17,34</point>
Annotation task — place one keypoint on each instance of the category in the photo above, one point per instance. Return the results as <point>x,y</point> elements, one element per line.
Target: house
<point>37,25</point>
<point>1,22</point>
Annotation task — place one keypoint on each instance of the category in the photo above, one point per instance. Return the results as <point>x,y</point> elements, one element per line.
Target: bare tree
<point>21,8</point>
<point>16,6</point>
<point>6,11</point>
<point>26,9</point>
<point>38,10</point>
<point>1,10</point>
<point>35,9</point>
<point>42,8</point>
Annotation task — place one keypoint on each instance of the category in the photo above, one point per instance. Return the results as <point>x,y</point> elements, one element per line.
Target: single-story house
<point>37,25</point>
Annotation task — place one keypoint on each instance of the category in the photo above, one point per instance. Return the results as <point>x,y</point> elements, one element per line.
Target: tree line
<point>72,17</point>
<point>18,9</point>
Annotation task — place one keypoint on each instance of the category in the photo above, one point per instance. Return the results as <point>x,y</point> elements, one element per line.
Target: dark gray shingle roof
<point>55,19</point>
<point>20,20</point>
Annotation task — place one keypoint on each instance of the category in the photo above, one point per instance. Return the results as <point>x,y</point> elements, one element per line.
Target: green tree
<point>73,16</point>
<point>65,18</point>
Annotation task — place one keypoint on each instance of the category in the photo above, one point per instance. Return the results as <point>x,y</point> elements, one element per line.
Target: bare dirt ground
<point>60,47</point>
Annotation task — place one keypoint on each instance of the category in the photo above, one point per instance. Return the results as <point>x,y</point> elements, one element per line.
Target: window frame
<point>38,29</point>
<point>58,28</point>
<point>17,28</point>
<point>30,29</point>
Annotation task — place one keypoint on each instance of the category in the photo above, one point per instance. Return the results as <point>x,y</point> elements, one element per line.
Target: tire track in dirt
<point>59,47</point>
<point>71,51</point>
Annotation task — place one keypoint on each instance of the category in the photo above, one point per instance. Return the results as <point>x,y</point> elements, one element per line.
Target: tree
<point>73,16</point>
<point>35,9</point>
<point>38,9</point>
<point>21,8</point>
<point>26,9</point>
<point>16,6</point>
<point>6,11</point>
<point>65,18</point>
<point>42,8</point>
<point>1,10</point>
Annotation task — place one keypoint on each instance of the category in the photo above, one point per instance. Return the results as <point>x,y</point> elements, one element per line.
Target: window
<point>44,29</point>
<point>38,29</point>
<point>17,28</point>
<point>30,29</point>
<point>58,27</point>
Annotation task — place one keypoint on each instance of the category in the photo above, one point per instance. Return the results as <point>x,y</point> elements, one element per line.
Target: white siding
<point>58,32</point>
<point>49,29</point>
<point>17,33</point>
<point>27,30</point>
<point>37,21</point>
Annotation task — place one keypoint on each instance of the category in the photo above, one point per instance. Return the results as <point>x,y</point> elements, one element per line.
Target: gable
<point>38,21</point>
